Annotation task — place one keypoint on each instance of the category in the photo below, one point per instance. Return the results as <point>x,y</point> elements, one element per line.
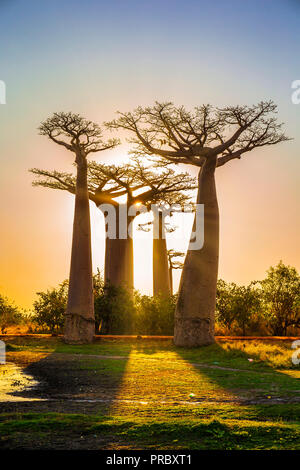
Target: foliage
<point>281,298</point>
<point>50,307</point>
<point>271,306</point>
<point>114,310</point>
<point>9,314</point>
<point>155,315</point>
<point>238,306</point>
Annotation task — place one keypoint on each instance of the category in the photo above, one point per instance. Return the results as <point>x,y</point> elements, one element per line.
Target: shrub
<point>155,315</point>
<point>281,299</point>
<point>50,307</point>
<point>114,310</point>
<point>238,308</point>
<point>9,314</point>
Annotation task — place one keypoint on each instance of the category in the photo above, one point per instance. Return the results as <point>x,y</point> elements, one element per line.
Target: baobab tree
<point>81,137</point>
<point>174,263</point>
<point>168,189</point>
<point>207,138</point>
<point>141,186</point>
<point>163,259</point>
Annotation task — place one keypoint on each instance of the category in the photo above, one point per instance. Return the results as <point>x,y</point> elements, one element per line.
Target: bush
<point>50,308</point>
<point>9,314</point>
<point>114,310</point>
<point>270,306</point>
<point>155,315</point>
<point>281,299</point>
<point>238,308</point>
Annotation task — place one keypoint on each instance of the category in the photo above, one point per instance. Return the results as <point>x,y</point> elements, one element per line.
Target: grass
<point>194,433</point>
<point>235,403</point>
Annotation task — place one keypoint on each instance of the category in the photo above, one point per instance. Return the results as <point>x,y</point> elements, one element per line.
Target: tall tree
<point>164,260</point>
<point>81,137</point>
<point>207,138</point>
<point>168,189</point>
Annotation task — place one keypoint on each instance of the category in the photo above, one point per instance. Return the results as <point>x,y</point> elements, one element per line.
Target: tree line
<point>267,307</point>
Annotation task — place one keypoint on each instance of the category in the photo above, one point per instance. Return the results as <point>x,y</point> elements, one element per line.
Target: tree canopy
<point>182,136</point>
<point>140,183</point>
<point>76,133</point>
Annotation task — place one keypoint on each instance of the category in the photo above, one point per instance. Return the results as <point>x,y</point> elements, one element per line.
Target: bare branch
<point>76,133</point>
<point>179,136</point>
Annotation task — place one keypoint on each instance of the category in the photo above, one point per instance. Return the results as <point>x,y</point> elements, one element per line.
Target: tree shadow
<point>65,381</point>
<point>250,382</point>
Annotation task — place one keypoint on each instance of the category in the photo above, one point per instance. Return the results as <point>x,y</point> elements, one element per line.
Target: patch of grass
<point>265,354</point>
<point>204,434</point>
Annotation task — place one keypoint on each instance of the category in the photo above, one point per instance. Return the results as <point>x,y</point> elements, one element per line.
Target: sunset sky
<point>97,57</point>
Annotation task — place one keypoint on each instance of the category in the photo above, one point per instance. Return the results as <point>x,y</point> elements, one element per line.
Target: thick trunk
<point>80,319</point>
<point>118,269</point>
<point>161,279</point>
<point>195,310</point>
<point>119,263</point>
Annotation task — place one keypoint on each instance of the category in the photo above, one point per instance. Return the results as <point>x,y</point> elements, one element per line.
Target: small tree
<point>281,298</point>
<point>81,137</point>
<point>49,309</point>
<point>9,314</point>
<point>174,263</point>
<point>238,306</point>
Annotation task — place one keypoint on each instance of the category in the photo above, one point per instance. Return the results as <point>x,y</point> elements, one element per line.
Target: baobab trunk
<point>80,319</point>
<point>119,263</point>
<point>118,269</point>
<point>129,255</point>
<point>161,276</point>
<point>171,279</point>
<point>195,310</point>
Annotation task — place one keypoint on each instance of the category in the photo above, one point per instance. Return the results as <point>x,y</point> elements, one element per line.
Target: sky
<point>97,57</point>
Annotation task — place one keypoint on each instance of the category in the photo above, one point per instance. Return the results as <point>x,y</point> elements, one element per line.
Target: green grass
<point>244,408</point>
<point>204,433</point>
<point>265,353</point>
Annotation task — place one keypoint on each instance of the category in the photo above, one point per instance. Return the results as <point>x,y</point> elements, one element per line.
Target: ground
<point>143,394</point>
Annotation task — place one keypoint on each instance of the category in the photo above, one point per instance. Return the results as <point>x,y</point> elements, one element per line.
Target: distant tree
<point>238,306</point>
<point>49,309</point>
<point>207,138</point>
<point>174,263</point>
<point>9,314</point>
<point>81,137</point>
<point>176,192</point>
<point>281,298</point>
